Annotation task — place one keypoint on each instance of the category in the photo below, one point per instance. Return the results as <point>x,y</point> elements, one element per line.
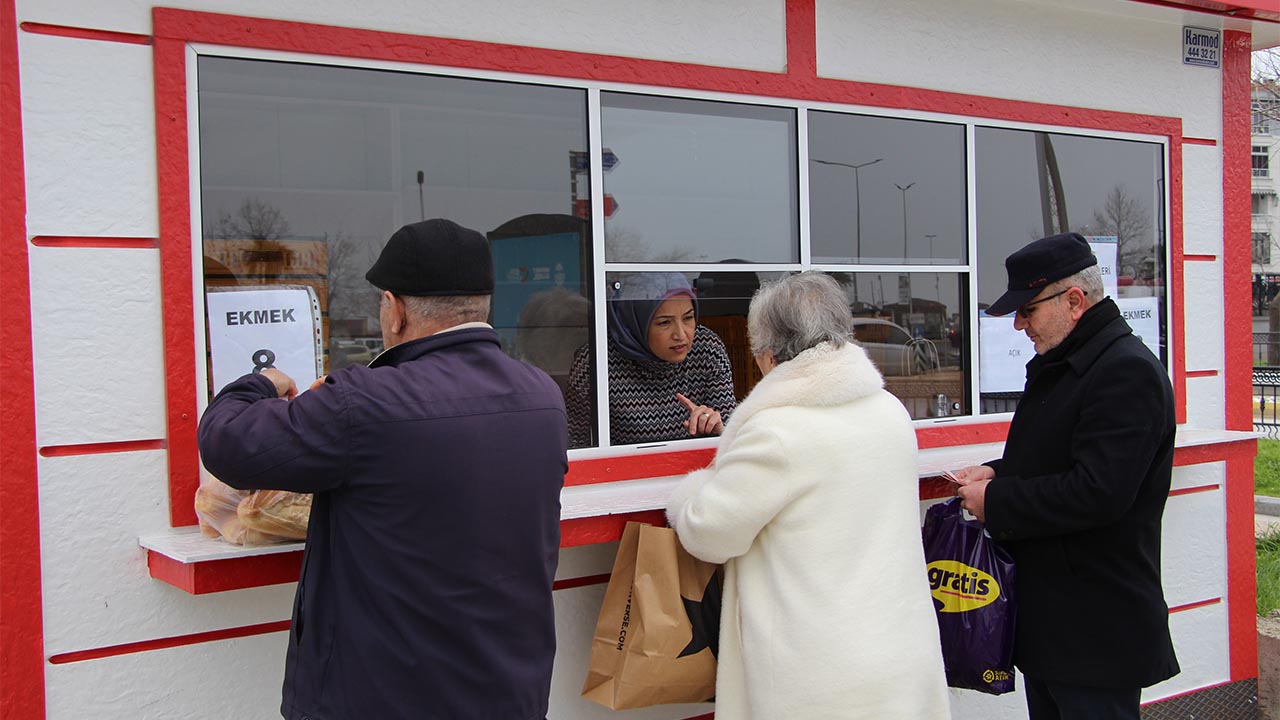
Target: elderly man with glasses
<point>1079,494</point>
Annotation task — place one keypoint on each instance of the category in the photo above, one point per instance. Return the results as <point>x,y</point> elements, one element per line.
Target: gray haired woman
<point>812,504</point>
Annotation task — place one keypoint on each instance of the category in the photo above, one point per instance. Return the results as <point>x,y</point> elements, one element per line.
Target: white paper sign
<point>1105,248</point>
<point>1003,353</point>
<point>251,329</point>
<point>1143,315</point>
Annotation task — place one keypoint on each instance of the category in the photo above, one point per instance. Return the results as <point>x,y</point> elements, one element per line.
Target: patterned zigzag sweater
<point>642,393</point>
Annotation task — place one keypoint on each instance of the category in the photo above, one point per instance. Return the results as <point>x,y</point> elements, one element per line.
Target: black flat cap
<point>434,257</point>
<point>1040,263</point>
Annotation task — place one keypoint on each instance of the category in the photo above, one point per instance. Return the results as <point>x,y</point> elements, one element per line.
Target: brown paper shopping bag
<point>658,632</point>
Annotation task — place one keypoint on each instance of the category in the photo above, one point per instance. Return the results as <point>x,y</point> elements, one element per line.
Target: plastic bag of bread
<point>216,504</point>
<point>243,517</point>
<point>276,512</point>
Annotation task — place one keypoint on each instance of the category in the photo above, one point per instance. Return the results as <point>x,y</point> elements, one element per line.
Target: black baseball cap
<point>1040,263</point>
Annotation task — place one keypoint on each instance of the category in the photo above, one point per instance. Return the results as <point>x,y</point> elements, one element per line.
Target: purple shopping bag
<point>972,582</point>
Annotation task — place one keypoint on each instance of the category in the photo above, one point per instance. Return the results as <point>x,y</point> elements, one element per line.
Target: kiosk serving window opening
<point>307,169</point>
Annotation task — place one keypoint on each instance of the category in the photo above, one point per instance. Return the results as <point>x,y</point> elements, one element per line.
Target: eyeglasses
<point>1025,311</point>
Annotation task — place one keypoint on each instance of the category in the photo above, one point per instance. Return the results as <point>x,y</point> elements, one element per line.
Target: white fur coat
<point>812,503</point>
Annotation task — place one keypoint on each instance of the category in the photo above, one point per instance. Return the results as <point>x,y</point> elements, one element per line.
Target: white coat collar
<point>822,376</point>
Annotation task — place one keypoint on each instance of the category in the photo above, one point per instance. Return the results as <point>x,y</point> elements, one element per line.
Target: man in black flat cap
<point>1078,496</point>
<point>435,526</point>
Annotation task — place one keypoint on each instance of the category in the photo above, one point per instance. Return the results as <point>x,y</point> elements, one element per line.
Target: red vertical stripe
<point>802,40</point>
<point>1177,279</point>
<point>1236,228</point>
<point>175,276</point>
<point>1237,301</point>
<point>21,622</point>
<point>1242,629</point>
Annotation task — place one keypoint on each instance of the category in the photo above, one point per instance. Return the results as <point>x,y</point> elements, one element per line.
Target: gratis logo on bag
<point>659,627</point>
<point>971,580</point>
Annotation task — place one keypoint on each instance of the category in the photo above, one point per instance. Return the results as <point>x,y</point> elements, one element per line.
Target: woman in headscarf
<point>669,378</point>
<point>812,504</point>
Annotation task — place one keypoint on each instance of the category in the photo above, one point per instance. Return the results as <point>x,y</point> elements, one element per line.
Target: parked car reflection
<point>893,349</point>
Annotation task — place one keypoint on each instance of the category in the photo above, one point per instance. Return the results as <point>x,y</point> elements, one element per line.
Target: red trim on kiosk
<point>1177,322</point>
<point>169,642</point>
<point>1242,450</point>
<point>1193,490</point>
<point>1194,605</point>
<point>802,39</point>
<point>81,33</point>
<point>1237,179</point>
<point>604,528</point>
<point>100,448</point>
<point>1202,373</point>
<point>1199,258</point>
<point>22,693</point>
<point>632,467</point>
<point>94,242</point>
<point>1261,10</point>
<point>1198,141</point>
<point>213,576</point>
<point>175,277</point>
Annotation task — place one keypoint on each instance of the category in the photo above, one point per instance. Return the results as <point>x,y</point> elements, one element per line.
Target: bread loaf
<point>234,531</point>
<point>276,512</point>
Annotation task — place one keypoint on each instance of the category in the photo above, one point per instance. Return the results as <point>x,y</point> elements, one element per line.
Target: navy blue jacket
<point>434,533</point>
<point>1078,499</point>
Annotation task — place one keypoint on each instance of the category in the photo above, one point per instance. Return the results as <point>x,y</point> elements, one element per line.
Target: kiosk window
<point>306,170</point>
<point>913,327</point>
<point>699,181</point>
<point>1031,184</point>
<point>886,191</point>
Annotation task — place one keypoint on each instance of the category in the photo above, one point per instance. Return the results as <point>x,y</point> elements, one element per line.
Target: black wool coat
<point>1078,499</point>
<point>434,534</point>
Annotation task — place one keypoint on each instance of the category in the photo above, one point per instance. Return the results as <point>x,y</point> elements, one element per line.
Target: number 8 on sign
<point>263,359</point>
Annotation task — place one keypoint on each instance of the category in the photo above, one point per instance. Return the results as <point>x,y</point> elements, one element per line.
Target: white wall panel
<point>88,123</point>
<point>1206,403</point>
<point>1188,476</point>
<point>1193,558</point>
<point>94,580</point>
<point>238,678</point>
<point>1203,310</point>
<point>1202,200</point>
<point>1201,642</point>
<point>97,345</point>
<point>1043,52</point>
<point>732,33</point>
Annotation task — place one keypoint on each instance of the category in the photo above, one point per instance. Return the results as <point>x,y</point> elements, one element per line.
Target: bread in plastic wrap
<point>276,512</point>
<point>243,517</point>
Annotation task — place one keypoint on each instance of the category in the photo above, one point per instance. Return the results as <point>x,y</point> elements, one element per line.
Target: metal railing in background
<point>1266,383</point>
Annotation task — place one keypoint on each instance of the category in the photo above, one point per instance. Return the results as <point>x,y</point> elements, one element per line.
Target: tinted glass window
<point>886,191</point>
<point>699,181</point>
<point>912,326</point>
<point>306,170</point>
<point>1033,184</point>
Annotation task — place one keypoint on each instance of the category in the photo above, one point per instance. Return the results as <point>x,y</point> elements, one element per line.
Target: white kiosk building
<point>152,155</point>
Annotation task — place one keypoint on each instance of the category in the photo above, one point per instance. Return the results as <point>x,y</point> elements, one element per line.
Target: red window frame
<point>174,29</point>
